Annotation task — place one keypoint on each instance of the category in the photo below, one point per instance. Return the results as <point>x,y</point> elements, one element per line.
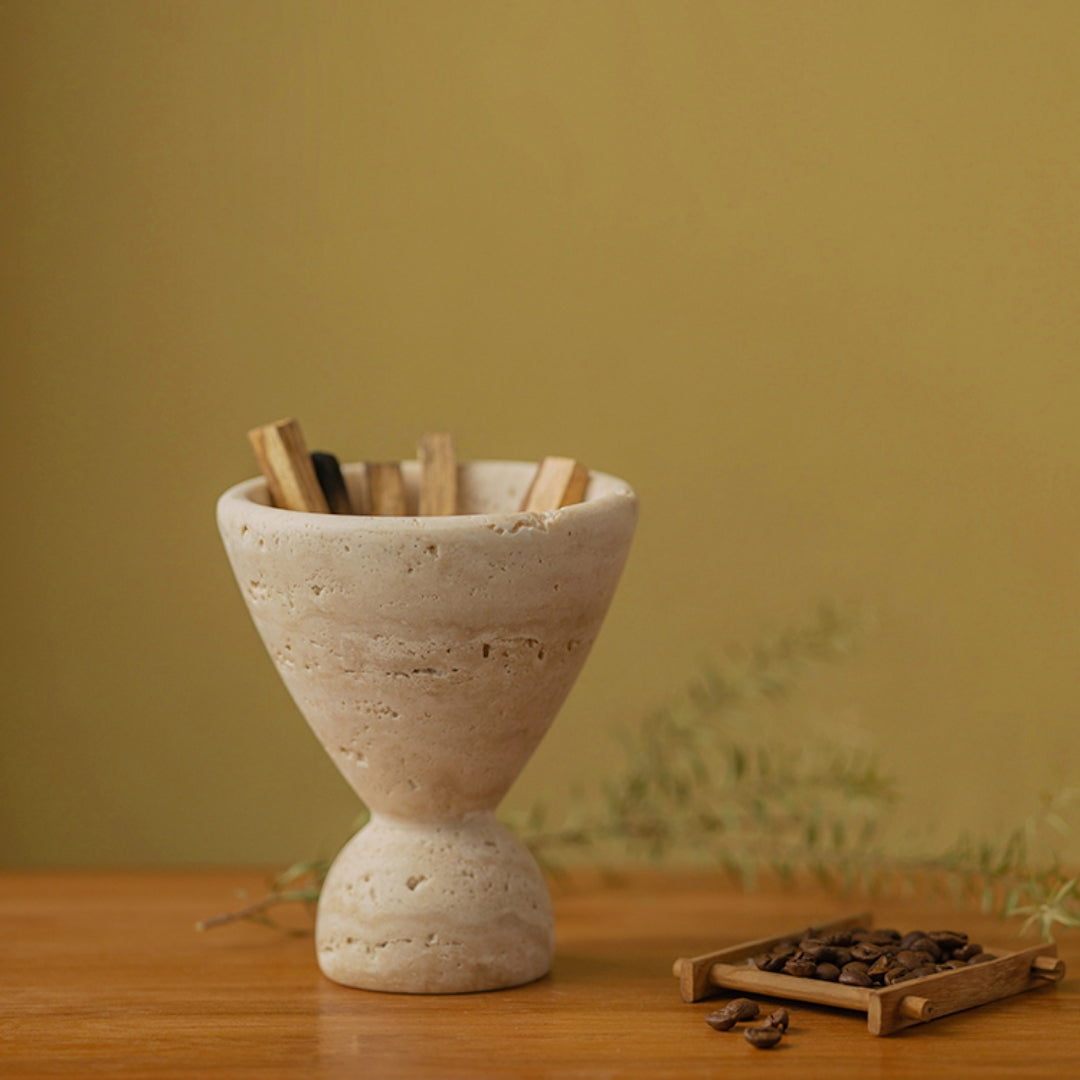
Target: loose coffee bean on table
<point>742,1008</point>
<point>872,958</point>
<point>720,1020</point>
<point>778,1018</point>
<point>764,1037</point>
<point>725,1018</point>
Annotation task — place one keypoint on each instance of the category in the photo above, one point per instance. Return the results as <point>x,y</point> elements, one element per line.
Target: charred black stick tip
<point>331,480</point>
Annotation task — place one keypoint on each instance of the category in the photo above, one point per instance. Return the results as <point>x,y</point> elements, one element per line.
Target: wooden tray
<point>887,1009</point>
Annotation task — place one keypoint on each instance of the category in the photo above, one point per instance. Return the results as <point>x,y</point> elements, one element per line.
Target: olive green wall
<point>805,273</point>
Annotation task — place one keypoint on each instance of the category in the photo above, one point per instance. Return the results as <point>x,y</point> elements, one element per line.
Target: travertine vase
<point>430,655</point>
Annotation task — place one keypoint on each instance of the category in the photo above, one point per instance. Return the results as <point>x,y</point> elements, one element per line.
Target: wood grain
<point>558,482</point>
<point>103,974</point>
<point>386,489</point>
<point>286,465</point>
<point>438,474</point>
<point>950,991</point>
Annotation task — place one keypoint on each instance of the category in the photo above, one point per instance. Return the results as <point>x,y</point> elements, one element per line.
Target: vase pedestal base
<point>434,908</point>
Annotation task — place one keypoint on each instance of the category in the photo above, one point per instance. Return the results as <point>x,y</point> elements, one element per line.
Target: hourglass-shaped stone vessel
<point>430,655</point>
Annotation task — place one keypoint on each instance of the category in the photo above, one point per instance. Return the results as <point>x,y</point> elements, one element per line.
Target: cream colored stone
<point>429,656</point>
<point>434,907</point>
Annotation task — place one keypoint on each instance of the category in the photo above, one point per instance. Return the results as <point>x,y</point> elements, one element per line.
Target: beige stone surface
<point>435,908</point>
<point>430,656</point>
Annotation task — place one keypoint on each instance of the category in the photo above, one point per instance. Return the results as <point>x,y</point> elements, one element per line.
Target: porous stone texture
<point>434,908</point>
<point>430,655</point>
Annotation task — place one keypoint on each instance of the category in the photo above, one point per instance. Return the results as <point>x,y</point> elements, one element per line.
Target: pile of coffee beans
<point>764,1035</point>
<point>872,958</point>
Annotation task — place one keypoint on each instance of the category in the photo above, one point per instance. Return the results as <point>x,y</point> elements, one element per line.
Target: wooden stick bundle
<point>313,482</point>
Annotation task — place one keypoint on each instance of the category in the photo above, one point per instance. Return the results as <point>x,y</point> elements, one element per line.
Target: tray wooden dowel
<point>693,973</point>
<point>287,466</point>
<point>386,488</point>
<point>951,991</point>
<point>747,978</point>
<point>1048,967</point>
<point>438,474</point>
<point>331,481</point>
<point>558,482</point>
<point>915,1008</point>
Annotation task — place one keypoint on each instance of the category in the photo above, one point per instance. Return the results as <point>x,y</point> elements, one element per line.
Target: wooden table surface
<point>103,973</point>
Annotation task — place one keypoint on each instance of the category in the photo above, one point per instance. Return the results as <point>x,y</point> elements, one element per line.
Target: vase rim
<point>604,493</point>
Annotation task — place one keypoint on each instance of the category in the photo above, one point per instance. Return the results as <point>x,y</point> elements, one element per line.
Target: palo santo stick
<point>438,474</point>
<point>387,489</point>
<point>332,483</point>
<point>558,482</point>
<point>359,485</point>
<point>287,466</point>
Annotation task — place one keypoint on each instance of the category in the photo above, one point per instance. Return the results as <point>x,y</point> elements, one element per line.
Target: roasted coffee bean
<point>884,937</point>
<point>881,957</point>
<point>778,1018</point>
<point>742,1008</point>
<point>865,950</point>
<point>763,1037</point>
<point>770,962</point>
<point>853,976</point>
<point>720,1020</point>
<point>948,940</point>
<point>880,966</point>
<point>926,945</point>
<point>827,954</point>
<point>979,958</point>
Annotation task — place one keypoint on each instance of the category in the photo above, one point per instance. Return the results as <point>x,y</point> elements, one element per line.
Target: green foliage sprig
<point>719,777</point>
